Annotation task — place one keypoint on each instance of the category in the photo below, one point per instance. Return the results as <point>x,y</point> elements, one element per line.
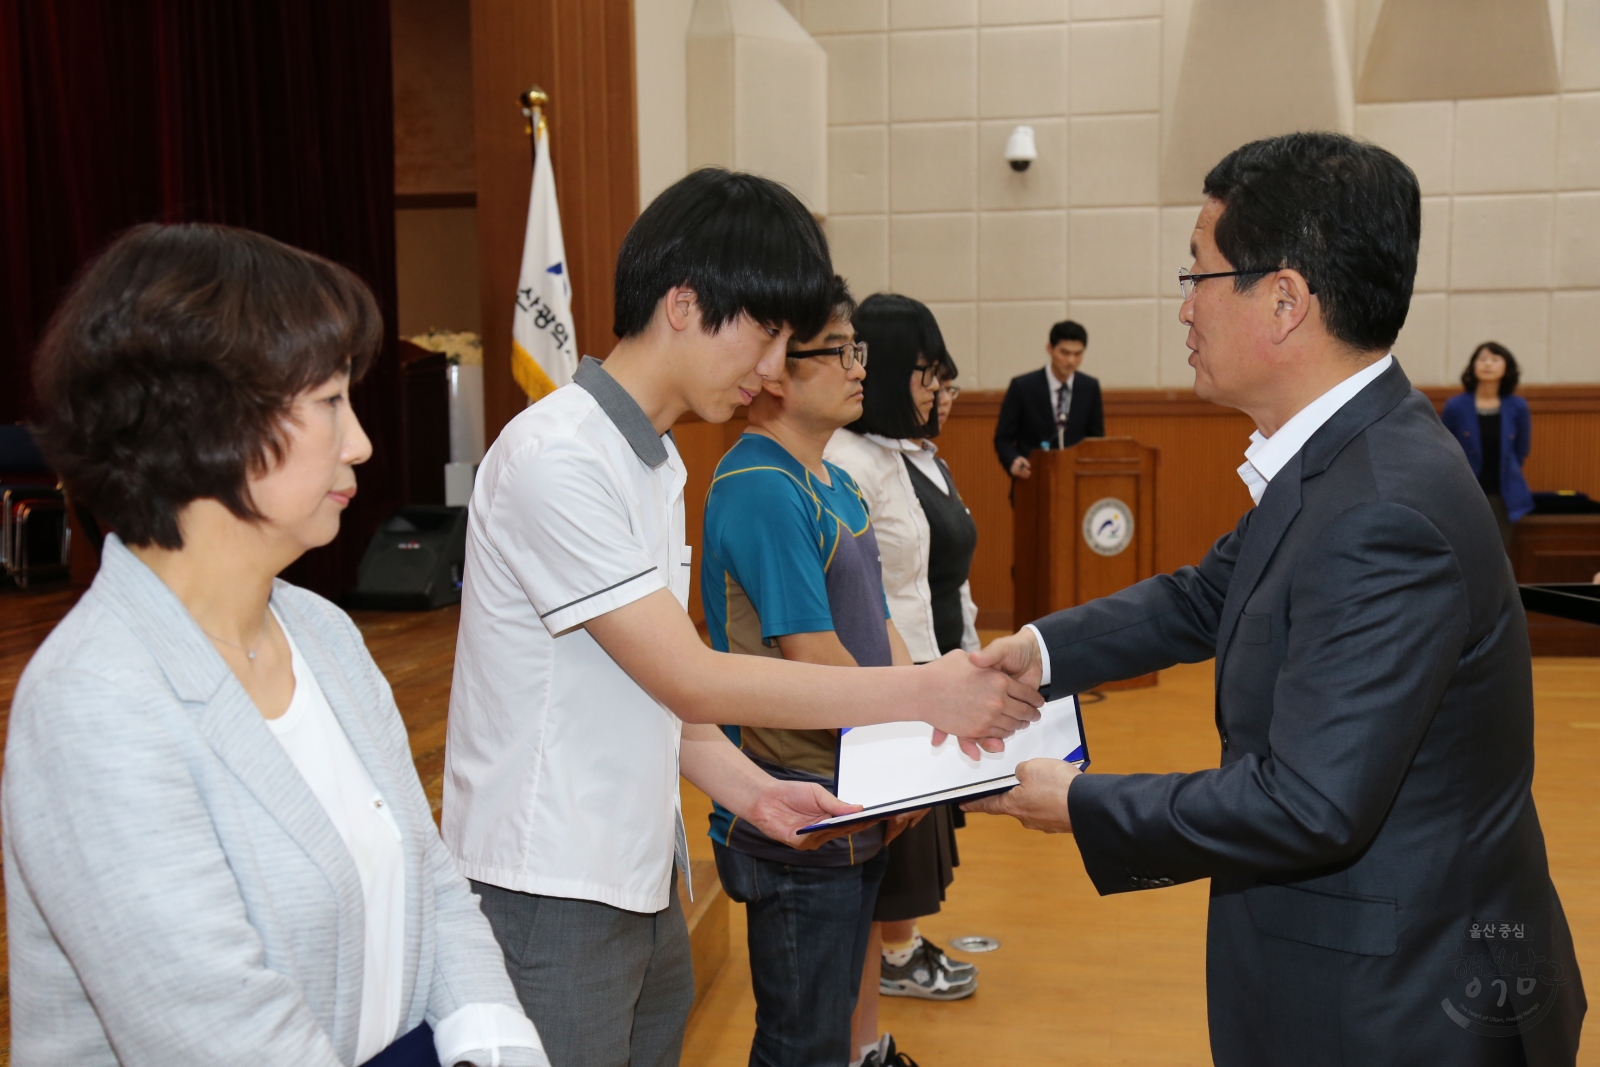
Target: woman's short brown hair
<point>167,373</point>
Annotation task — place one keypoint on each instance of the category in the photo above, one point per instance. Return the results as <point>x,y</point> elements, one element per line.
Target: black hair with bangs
<point>897,330</point>
<point>743,243</point>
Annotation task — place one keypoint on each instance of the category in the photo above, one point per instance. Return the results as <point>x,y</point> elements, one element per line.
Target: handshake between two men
<point>1039,802</point>
<point>986,698</point>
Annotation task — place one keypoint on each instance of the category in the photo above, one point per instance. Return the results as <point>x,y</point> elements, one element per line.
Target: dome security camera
<point>1020,149</point>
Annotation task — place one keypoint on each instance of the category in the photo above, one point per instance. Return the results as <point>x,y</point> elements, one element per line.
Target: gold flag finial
<point>533,100</point>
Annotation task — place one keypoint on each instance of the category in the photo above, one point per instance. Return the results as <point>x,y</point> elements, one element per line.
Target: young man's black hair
<point>1068,331</point>
<point>899,332</point>
<point>1346,214</point>
<point>743,244</point>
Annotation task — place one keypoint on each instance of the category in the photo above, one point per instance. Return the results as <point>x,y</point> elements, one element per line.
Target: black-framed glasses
<point>929,373</point>
<point>1187,281</point>
<point>849,355</point>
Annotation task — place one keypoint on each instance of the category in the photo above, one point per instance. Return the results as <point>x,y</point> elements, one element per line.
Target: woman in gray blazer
<point>216,846</point>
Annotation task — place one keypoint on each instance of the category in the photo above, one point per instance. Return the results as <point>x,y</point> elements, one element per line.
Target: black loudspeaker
<point>414,561</point>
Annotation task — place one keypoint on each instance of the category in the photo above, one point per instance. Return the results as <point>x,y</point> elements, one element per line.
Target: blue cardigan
<point>1516,427</point>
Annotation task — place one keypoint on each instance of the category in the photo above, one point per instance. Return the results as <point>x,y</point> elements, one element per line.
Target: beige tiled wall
<point>923,94</point>
<point>1511,224</point>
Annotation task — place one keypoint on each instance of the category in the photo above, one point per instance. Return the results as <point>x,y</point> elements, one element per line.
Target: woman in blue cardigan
<point>1489,411</point>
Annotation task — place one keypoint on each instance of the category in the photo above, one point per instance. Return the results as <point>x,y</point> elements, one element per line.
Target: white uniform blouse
<point>903,540</point>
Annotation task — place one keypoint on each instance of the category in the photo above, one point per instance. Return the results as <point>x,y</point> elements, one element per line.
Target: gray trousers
<point>605,987</point>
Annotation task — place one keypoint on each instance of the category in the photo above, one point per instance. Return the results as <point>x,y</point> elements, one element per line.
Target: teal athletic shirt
<point>786,554</point>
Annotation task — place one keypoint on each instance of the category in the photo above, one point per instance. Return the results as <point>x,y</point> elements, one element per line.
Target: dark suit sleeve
<point>1376,624</point>
<point>1097,416</point>
<point>1171,618</point>
<point>1006,426</point>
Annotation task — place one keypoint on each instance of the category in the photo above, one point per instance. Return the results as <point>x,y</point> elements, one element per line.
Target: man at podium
<point>1380,891</point>
<point>1053,407</point>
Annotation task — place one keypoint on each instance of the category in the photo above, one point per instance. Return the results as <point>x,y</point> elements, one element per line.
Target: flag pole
<point>543,335</point>
<point>533,100</point>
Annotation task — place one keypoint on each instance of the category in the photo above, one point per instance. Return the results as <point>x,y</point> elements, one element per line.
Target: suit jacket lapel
<point>1271,520</point>
<point>1281,502</point>
<point>1044,408</point>
<point>1077,406</point>
<point>231,724</point>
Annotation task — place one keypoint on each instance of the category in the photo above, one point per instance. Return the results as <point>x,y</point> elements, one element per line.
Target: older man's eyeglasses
<point>849,355</point>
<point>1187,281</point>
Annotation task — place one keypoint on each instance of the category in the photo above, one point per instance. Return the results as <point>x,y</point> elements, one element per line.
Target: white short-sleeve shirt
<point>561,773</point>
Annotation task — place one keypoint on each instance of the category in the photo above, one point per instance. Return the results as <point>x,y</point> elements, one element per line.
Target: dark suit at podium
<point>1373,812</point>
<point>1028,420</point>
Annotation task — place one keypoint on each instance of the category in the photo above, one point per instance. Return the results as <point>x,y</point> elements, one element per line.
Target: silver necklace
<point>250,653</point>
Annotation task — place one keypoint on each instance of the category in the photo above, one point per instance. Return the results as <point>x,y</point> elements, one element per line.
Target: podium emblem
<point>1108,526</point>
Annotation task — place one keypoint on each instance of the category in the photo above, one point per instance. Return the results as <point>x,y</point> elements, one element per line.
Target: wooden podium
<point>1084,527</point>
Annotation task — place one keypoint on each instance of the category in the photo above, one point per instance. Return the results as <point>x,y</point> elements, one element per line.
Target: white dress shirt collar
<point>1056,383</point>
<point>1266,456</point>
<point>902,444</point>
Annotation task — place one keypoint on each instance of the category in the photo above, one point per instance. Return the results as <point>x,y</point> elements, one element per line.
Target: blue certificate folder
<point>893,767</point>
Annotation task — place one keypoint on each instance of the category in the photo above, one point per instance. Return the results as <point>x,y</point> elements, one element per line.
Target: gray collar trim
<point>623,411</point>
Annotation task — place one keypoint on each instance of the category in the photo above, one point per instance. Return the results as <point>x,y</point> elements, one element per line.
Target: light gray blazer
<point>175,892</point>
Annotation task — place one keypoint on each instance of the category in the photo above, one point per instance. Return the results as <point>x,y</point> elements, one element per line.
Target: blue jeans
<point>808,939</point>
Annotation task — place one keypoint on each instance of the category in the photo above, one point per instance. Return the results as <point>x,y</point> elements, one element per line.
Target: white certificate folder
<point>893,767</point>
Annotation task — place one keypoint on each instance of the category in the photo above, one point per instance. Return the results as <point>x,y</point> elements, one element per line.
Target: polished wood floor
<point>1078,978</point>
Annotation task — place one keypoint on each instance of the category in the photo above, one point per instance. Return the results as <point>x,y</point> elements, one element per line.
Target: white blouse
<point>901,527</point>
<point>321,751</point>
<point>316,743</point>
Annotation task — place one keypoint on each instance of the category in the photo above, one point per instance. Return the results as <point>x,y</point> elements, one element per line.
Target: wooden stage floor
<point>1108,981</point>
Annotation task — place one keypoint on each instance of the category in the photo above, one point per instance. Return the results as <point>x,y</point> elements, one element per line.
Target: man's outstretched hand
<point>1017,655</point>
<point>1040,801</point>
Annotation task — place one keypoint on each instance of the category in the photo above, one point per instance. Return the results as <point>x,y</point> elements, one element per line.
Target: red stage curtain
<point>275,115</point>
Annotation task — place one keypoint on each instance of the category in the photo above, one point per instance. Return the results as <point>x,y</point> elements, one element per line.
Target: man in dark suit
<point>1052,407</point>
<point>1379,887</point>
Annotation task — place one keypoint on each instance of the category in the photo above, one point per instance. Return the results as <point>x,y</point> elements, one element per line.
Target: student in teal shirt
<point>790,569</point>
<point>803,549</point>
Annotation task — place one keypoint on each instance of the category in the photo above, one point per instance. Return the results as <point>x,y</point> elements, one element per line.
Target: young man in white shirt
<point>578,668</point>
